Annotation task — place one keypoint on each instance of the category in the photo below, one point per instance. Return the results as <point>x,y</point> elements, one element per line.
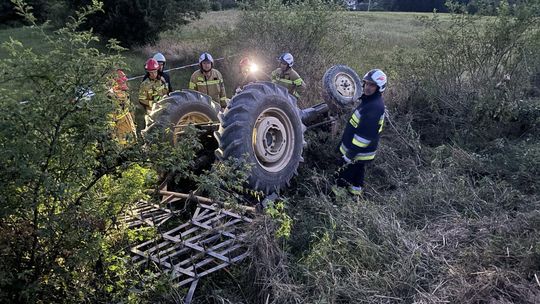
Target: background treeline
<point>472,6</point>
<point>139,22</point>
<point>130,22</point>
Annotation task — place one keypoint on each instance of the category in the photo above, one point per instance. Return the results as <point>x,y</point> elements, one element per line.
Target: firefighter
<point>154,88</point>
<point>208,80</point>
<point>286,76</point>
<point>162,61</point>
<point>248,73</point>
<point>121,119</point>
<point>361,135</point>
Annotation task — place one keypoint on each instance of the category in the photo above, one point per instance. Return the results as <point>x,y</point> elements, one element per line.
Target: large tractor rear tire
<point>167,122</point>
<point>181,108</point>
<point>341,87</point>
<point>264,123</point>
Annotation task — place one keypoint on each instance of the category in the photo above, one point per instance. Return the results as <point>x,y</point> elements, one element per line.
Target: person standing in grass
<point>161,61</point>
<point>286,76</point>
<point>361,135</point>
<point>208,80</point>
<point>154,88</point>
<point>121,119</point>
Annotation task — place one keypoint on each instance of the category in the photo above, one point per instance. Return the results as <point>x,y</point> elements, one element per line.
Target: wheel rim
<point>273,139</point>
<point>345,85</point>
<point>189,119</point>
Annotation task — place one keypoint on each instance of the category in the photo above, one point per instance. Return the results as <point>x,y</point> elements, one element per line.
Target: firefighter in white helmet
<point>361,135</point>
<point>286,76</point>
<point>208,80</point>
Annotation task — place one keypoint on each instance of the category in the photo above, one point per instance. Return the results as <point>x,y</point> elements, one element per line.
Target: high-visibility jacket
<point>121,119</point>
<point>152,91</point>
<point>165,76</point>
<point>361,136</point>
<point>289,79</point>
<point>211,85</point>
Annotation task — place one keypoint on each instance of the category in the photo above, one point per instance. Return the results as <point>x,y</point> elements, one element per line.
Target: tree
<point>63,178</point>
<point>9,17</point>
<point>139,22</point>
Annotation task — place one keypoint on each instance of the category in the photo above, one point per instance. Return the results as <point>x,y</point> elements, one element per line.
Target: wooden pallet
<point>212,239</point>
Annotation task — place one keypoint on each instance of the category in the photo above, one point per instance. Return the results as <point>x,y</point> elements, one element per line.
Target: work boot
<point>354,190</point>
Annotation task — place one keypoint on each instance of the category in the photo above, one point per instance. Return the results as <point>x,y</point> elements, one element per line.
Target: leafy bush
<point>140,22</point>
<point>215,6</point>
<point>473,74</point>
<point>130,22</point>
<point>309,30</point>
<point>64,179</point>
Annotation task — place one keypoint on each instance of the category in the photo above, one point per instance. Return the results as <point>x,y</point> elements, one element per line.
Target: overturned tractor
<point>263,122</point>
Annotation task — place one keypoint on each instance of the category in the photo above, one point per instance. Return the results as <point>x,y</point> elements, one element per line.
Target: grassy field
<point>375,36</point>
<point>451,212</point>
<point>373,32</point>
<point>26,35</point>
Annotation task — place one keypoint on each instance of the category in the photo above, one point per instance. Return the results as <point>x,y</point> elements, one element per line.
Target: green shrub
<point>311,30</point>
<point>64,179</point>
<point>472,73</point>
<point>215,6</point>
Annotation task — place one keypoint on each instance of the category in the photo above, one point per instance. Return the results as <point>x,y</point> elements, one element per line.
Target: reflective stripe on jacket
<point>212,86</point>
<point>165,76</point>
<point>289,79</point>
<point>121,119</point>
<point>361,136</point>
<point>152,91</point>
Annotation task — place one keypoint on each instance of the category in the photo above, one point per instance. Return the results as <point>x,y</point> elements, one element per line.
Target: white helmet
<point>159,57</point>
<point>287,58</point>
<point>205,57</point>
<point>377,76</point>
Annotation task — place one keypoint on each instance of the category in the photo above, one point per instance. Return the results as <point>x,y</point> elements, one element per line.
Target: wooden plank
<point>202,199</point>
<point>191,292</point>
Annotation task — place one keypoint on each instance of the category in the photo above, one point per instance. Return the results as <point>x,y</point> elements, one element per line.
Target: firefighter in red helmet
<point>154,88</point>
<point>121,119</point>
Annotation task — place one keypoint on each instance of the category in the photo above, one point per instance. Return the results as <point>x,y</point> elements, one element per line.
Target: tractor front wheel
<point>341,87</point>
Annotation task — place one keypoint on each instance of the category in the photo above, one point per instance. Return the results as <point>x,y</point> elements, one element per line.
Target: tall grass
<point>451,212</point>
<point>452,209</point>
<point>362,40</point>
<point>27,35</point>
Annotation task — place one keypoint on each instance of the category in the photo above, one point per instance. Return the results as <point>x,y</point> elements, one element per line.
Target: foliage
<point>9,16</point>
<point>451,209</point>
<point>227,181</point>
<point>140,22</point>
<point>277,211</point>
<point>309,30</point>
<point>215,6</point>
<point>130,22</point>
<point>64,179</point>
<point>480,74</point>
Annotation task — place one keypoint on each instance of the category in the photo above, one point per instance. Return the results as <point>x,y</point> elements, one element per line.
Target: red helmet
<point>121,80</point>
<point>151,65</point>
<point>245,61</point>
